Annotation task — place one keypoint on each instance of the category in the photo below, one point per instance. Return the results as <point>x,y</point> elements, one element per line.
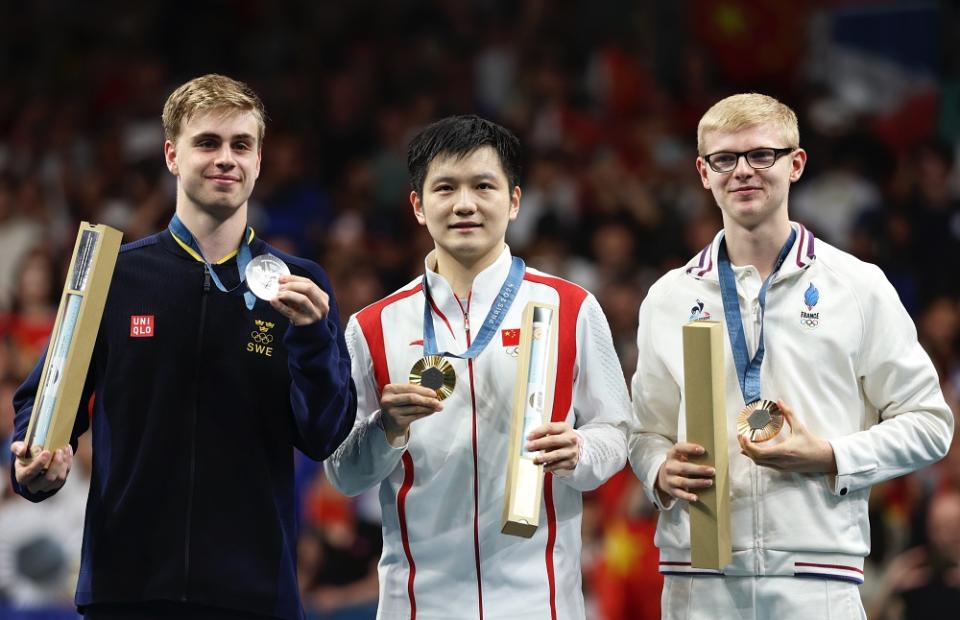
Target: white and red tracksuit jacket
<point>442,492</point>
<point>842,352</point>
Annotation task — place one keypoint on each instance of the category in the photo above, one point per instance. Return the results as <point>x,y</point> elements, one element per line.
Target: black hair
<point>459,136</point>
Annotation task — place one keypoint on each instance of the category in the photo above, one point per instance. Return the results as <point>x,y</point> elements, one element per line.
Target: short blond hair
<point>738,112</point>
<point>209,92</point>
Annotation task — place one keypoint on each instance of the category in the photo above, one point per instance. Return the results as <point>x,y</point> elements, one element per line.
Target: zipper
<point>755,469</point>
<point>192,443</point>
<point>476,466</point>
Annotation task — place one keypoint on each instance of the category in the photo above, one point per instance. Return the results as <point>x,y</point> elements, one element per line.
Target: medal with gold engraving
<point>436,373</point>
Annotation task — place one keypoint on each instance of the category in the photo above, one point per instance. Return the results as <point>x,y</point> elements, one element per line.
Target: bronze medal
<point>436,373</point>
<point>760,421</point>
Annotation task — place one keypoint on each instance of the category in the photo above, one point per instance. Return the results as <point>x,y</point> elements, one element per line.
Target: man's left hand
<point>801,452</point>
<point>558,446</point>
<point>301,300</point>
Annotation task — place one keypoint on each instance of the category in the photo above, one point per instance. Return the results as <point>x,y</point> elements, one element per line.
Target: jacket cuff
<point>317,334</point>
<point>662,501</point>
<point>851,467</point>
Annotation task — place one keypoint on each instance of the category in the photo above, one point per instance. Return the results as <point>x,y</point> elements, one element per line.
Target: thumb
<point>789,418</point>
<point>18,447</point>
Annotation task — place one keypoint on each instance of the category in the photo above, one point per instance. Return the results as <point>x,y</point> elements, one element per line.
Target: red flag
<point>510,337</point>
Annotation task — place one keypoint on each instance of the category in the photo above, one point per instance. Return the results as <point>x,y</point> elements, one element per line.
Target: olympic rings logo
<point>261,338</point>
<point>809,323</point>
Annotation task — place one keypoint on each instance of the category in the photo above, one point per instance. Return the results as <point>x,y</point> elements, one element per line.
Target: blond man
<point>809,328</point>
<point>202,390</point>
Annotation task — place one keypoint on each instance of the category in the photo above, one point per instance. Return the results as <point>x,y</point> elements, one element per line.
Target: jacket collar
<point>802,254</point>
<point>486,286</point>
<point>180,246</point>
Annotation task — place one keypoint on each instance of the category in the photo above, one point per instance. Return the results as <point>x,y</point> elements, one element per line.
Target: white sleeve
<point>899,381</point>
<point>600,402</point>
<point>365,457</point>
<point>656,405</point>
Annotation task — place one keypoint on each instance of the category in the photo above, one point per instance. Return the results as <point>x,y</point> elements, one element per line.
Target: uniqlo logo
<point>510,337</point>
<point>141,326</point>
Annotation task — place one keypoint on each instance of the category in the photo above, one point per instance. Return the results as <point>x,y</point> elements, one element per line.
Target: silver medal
<point>263,275</point>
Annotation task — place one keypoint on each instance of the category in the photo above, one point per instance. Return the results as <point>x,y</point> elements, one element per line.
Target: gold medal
<point>436,373</point>
<point>759,421</point>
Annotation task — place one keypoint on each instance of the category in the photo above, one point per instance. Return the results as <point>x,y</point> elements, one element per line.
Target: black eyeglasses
<point>758,159</point>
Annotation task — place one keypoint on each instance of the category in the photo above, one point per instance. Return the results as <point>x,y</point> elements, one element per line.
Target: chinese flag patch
<point>510,337</point>
<point>141,326</point>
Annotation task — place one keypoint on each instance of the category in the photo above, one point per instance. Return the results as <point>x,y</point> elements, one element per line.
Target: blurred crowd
<point>605,97</point>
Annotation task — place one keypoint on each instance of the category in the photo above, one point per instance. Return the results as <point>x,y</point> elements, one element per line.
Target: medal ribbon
<point>180,232</point>
<point>748,370</point>
<point>498,311</point>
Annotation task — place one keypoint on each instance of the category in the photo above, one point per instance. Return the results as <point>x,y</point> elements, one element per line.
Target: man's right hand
<point>678,476</point>
<point>403,403</point>
<point>45,472</point>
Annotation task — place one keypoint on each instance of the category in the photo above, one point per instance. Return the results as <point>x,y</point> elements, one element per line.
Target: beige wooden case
<point>73,337</point>
<point>533,400</point>
<point>706,418</point>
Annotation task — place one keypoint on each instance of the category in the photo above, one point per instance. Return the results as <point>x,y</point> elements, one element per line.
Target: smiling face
<point>466,205</point>
<point>747,197</point>
<point>216,159</point>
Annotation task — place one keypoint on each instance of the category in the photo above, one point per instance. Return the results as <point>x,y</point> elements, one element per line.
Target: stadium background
<point>605,96</point>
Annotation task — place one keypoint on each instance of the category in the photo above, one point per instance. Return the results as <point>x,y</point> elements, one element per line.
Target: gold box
<point>706,418</point>
<point>74,335</point>
<point>532,404</point>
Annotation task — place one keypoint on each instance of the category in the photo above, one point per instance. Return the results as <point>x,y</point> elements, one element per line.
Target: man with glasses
<point>827,390</point>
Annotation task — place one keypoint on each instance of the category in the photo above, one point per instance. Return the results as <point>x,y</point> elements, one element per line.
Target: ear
<point>417,208</point>
<point>797,165</point>
<point>703,169</point>
<point>515,203</point>
<point>170,156</point>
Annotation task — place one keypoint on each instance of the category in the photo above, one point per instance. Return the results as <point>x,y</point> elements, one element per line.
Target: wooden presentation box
<point>532,404</point>
<point>73,337</point>
<point>706,418</point>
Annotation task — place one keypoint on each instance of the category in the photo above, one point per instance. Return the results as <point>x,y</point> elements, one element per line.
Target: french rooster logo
<point>697,313</point>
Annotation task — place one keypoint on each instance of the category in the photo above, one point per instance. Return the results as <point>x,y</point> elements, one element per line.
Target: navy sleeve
<point>23,405</point>
<point>322,394</point>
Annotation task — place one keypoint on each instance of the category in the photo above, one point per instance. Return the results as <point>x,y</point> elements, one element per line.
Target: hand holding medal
<point>297,298</point>
<point>801,451</point>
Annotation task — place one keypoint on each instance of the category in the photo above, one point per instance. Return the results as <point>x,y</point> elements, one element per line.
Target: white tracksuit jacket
<point>442,493</point>
<point>842,352</point>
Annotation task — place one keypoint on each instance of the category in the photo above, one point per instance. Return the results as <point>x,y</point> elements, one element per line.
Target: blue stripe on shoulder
<point>133,245</point>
